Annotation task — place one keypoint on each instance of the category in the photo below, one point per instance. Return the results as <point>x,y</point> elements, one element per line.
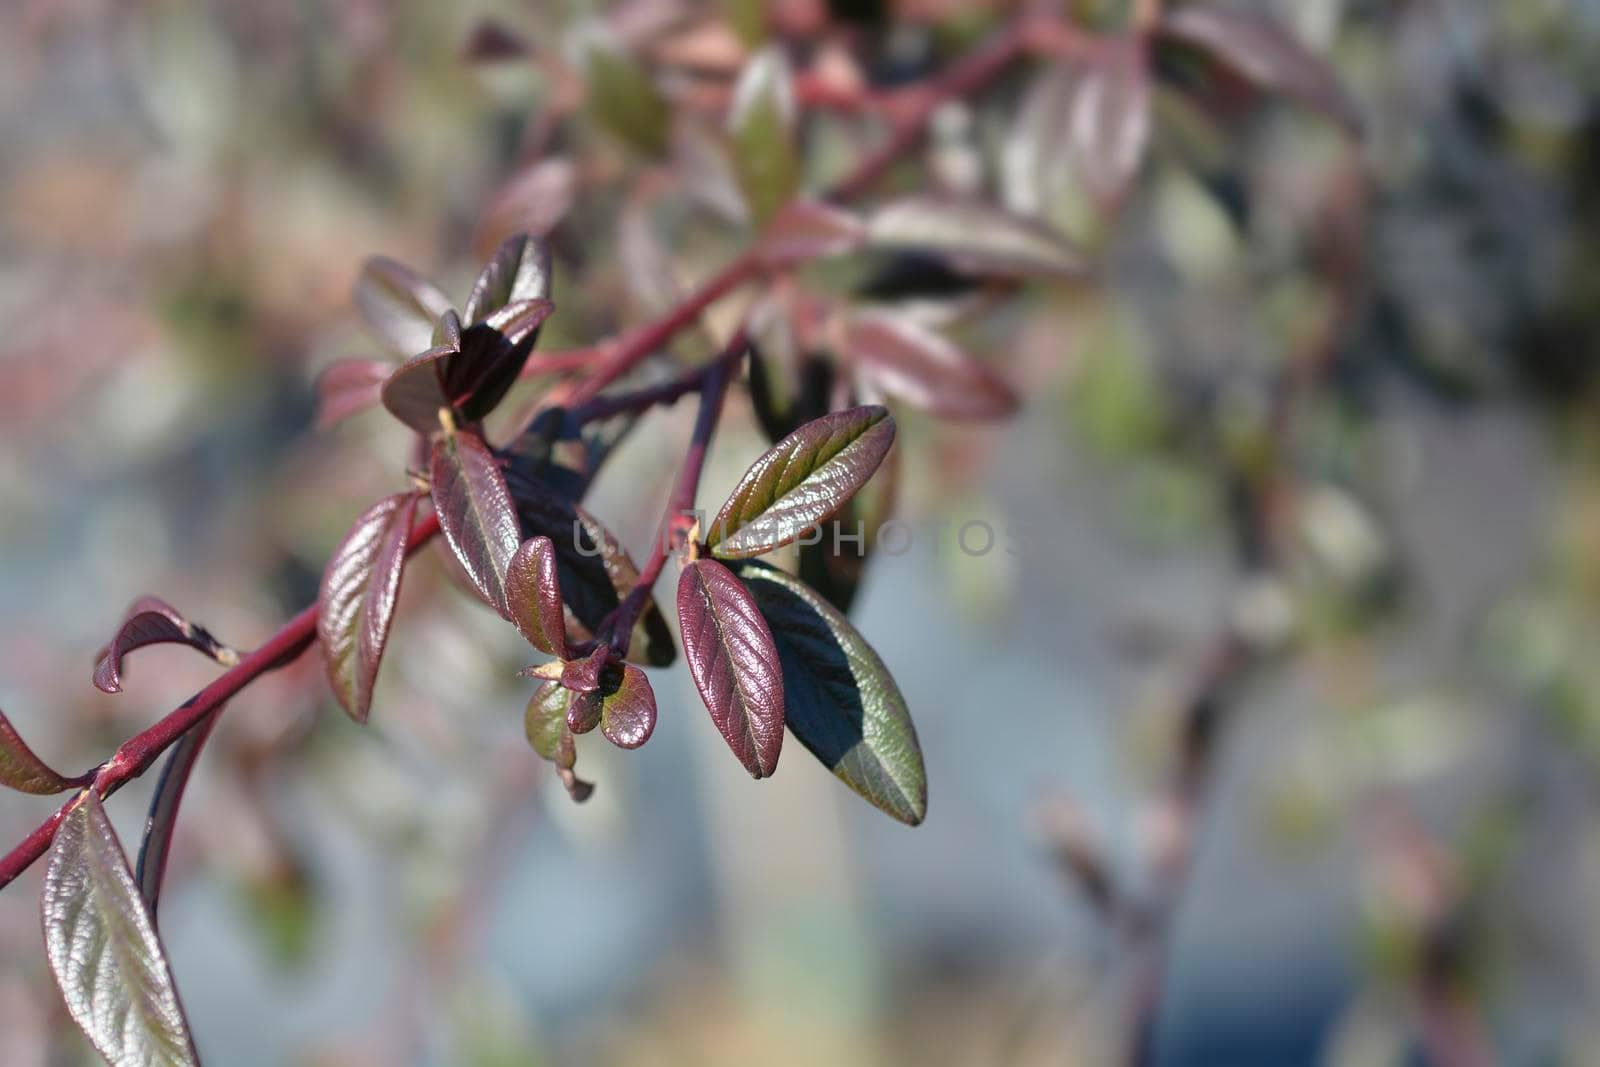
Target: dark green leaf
<point>20,769</point>
<point>518,270</point>
<point>907,360</point>
<point>533,596</point>
<point>840,700</point>
<point>974,237</point>
<point>152,621</point>
<point>734,663</point>
<point>400,304</point>
<point>761,126</point>
<point>802,480</point>
<point>475,512</point>
<point>103,948</point>
<point>360,587</point>
<point>546,724</point>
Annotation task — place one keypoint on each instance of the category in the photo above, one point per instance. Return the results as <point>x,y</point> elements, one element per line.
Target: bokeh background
<point>1402,830</point>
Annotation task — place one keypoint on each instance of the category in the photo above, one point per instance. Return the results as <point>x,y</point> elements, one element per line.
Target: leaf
<point>1263,53</point>
<point>21,770</point>
<point>533,200</point>
<point>491,41</point>
<point>624,99</point>
<point>546,725</point>
<point>349,387</point>
<point>810,229</point>
<point>415,392</point>
<point>533,596</point>
<point>761,125</point>
<point>802,480</point>
<point>152,621</point>
<point>360,586</point>
<point>492,356</point>
<point>103,948</point>
<point>1109,119</point>
<point>974,237</point>
<point>840,700</point>
<point>834,563</point>
<point>627,706</point>
<point>163,817</point>
<point>923,368</point>
<point>400,304</point>
<point>475,512</point>
<point>518,270</point>
<point>734,663</point>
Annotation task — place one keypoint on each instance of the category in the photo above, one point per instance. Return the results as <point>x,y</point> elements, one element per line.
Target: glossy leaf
<point>492,355</point>
<point>533,596</point>
<point>802,480</point>
<point>349,387</point>
<point>733,662</point>
<point>1109,120</point>
<point>624,99</point>
<point>475,512</point>
<point>627,706</point>
<point>975,237</point>
<point>583,675</point>
<point>907,360</point>
<point>761,126</point>
<point>355,605</point>
<point>152,621</point>
<point>162,820</point>
<point>400,304</point>
<point>840,700</point>
<point>546,725</point>
<point>21,770</point>
<point>103,948</point>
<point>518,270</point>
<point>1265,54</point>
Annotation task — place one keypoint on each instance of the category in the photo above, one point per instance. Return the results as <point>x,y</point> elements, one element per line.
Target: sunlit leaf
<point>360,586</point>
<point>20,769</point>
<point>1109,120</point>
<point>533,596</point>
<point>833,563</point>
<point>103,948</point>
<point>546,724</point>
<point>907,360</point>
<point>1265,54</point>
<point>802,480</point>
<point>624,98</point>
<point>475,512</point>
<point>400,304</point>
<point>152,621</point>
<point>734,663</point>
<point>627,706</point>
<point>839,698</point>
<point>519,269</point>
<point>349,387</point>
<point>761,126</point>
<point>975,237</point>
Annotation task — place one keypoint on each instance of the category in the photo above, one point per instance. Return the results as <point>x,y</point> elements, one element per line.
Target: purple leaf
<point>533,200</point>
<point>159,825</point>
<point>802,480</point>
<point>734,663</point>
<point>20,769</point>
<point>151,621</point>
<point>533,596</point>
<point>490,41</point>
<point>1109,120</point>
<point>583,675</point>
<point>400,304</point>
<point>518,270</point>
<point>627,706</point>
<point>546,724</point>
<point>103,948</point>
<point>492,355</point>
<point>923,368</point>
<point>974,237</point>
<point>475,512</point>
<point>1263,53</point>
<point>415,392</point>
<point>349,387</point>
<point>360,586</point>
<point>808,229</point>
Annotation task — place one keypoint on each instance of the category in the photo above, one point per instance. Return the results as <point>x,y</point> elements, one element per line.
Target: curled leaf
<point>163,818</point>
<point>475,512</point>
<point>907,360</point>
<point>839,698</point>
<point>349,387</point>
<point>802,480</point>
<point>400,304</point>
<point>360,586</point>
<point>734,663</point>
<point>20,769</point>
<point>103,948</point>
<point>533,596</point>
<point>152,621</point>
<point>546,725</point>
<point>974,237</point>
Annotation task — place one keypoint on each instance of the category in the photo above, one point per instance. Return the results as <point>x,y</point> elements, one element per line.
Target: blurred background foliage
<point>1400,847</point>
